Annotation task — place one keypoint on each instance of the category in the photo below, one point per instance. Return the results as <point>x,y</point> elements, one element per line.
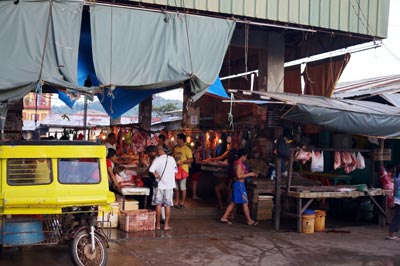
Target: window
<point>29,172</point>
<point>79,171</point>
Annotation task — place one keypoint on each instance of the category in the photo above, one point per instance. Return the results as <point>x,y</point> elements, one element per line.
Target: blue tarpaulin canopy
<point>217,89</point>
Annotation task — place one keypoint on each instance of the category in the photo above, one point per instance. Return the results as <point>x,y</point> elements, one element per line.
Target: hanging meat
<point>302,156</point>
<point>338,161</point>
<point>349,161</point>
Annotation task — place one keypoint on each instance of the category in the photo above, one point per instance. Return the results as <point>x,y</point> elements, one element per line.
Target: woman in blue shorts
<point>239,194</point>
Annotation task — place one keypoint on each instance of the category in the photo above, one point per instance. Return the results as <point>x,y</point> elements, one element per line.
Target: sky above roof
<point>381,61</point>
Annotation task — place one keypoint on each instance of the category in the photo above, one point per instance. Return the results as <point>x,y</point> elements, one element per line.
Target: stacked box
<point>265,206</point>
<point>108,218</point>
<point>130,205</point>
<point>137,220</point>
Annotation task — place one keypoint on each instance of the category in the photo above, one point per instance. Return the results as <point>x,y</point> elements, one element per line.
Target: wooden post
<point>278,193</point>
<point>290,173</point>
<point>145,113</point>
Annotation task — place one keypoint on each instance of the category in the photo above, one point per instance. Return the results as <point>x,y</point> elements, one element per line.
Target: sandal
<point>253,223</point>
<point>225,221</point>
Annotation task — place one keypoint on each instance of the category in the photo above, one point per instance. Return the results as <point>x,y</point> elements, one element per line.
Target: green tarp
<point>143,49</point>
<point>348,116</point>
<point>23,31</point>
<point>132,48</point>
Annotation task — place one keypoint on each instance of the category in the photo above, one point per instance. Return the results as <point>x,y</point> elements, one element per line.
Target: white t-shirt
<point>111,146</point>
<point>168,178</point>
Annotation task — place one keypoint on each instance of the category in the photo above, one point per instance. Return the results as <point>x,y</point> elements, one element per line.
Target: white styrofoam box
<point>110,217</point>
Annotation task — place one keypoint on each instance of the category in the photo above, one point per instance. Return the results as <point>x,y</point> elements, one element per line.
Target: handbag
<point>155,181</point>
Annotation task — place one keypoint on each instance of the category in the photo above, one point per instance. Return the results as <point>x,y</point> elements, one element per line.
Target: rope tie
<point>230,115</point>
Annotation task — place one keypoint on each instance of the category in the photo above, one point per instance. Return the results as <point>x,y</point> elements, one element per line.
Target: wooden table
<point>309,196</point>
<point>135,191</point>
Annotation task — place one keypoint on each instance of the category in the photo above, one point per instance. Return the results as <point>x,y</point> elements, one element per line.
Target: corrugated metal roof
<point>368,17</point>
<point>368,87</point>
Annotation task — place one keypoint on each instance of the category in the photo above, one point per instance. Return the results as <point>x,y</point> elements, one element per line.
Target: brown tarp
<point>292,79</point>
<point>320,77</point>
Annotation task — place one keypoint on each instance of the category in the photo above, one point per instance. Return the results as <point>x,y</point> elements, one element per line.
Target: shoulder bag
<point>155,182</point>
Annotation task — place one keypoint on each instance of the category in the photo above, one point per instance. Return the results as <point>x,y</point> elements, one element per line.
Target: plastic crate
<point>137,220</point>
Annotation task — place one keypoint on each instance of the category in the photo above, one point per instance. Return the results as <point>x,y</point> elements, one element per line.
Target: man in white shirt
<point>111,142</point>
<point>164,169</point>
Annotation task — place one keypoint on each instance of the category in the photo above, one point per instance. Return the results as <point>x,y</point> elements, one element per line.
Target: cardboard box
<point>130,205</point>
<point>137,220</point>
<point>265,207</point>
<point>109,218</point>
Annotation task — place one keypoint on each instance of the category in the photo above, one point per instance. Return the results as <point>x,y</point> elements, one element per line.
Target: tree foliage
<point>161,109</point>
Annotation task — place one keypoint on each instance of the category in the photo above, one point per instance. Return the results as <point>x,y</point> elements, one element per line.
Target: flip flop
<point>167,229</point>
<point>392,238</point>
<point>253,224</point>
<point>225,222</point>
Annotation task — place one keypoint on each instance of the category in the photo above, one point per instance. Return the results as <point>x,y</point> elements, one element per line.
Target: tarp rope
<point>230,115</point>
<point>39,82</point>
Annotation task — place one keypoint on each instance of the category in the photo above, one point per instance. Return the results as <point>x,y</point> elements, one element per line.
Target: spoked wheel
<point>82,254</point>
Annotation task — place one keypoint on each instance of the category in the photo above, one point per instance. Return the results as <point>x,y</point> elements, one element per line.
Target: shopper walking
<point>164,169</point>
<point>239,193</point>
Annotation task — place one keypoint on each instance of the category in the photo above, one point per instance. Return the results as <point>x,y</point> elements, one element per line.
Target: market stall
<point>304,196</point>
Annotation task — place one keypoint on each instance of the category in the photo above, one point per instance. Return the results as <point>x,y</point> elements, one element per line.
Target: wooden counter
<point>307,194</point>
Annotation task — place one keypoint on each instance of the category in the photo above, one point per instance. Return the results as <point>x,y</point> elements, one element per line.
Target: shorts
<point>162,197</point>
<point>180,184</point>
<point>239,194</point>
<point>196,176</point>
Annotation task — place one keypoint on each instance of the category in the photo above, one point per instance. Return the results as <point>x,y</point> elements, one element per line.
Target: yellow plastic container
<point>307,223</point>
<point>319,225</point>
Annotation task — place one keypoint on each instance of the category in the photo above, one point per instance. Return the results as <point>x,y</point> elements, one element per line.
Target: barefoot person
<point>164,169</point>
<point>239,194</point>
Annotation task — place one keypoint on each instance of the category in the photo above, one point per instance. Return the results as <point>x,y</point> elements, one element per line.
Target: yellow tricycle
<point>51,193</point>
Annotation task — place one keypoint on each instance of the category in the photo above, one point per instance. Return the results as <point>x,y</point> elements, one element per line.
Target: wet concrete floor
<point>202,240</point>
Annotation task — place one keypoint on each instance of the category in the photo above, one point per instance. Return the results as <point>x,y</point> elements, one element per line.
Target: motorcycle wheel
<point>81,250</point>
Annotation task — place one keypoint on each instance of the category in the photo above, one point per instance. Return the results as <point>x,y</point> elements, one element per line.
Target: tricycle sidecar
<point>49,194</point>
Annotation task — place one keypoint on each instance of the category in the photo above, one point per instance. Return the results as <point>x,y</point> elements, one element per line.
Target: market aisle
<point>204,241</point>
<point>207,242</point>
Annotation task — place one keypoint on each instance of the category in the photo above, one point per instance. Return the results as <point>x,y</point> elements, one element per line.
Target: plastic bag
<point>360,161</point>
<point>317,161</point>
<point>181,174</point>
